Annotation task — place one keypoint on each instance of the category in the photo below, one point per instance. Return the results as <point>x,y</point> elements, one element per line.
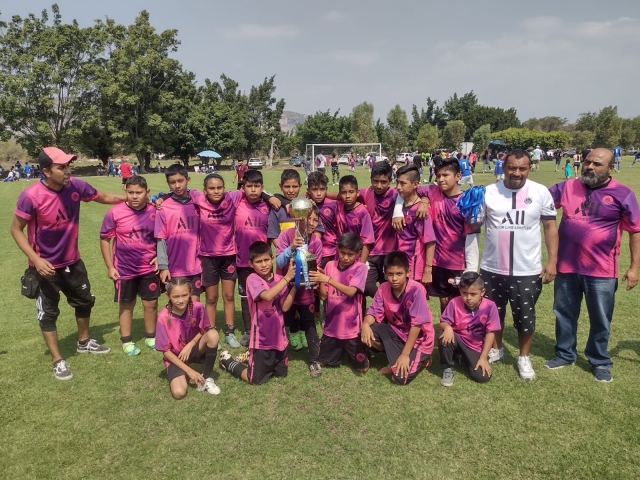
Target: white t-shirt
<point>512,242</point>
<point>536,154</point>
<point>321,161</point>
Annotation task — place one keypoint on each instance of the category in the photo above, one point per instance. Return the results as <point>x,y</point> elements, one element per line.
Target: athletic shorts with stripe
<point>440,286</point>
<point>521,293</point>
<point>173,371</point>
<point>243,275</point>
<point>393,346</point>
<point>263,364</point>
<point>215,269</point>
<point>146,286</point>
<point>331,350</point>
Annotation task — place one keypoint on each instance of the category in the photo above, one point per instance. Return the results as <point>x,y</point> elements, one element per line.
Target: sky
<point>542,57</point>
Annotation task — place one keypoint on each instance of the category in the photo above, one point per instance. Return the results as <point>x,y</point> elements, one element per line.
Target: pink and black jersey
<point>251,223</point>
<point>217,224</point>
<point>329,217</point>
<point>380,208</point>
<point>267,318</point>
<point>471,326</point>
<point>303,296</point>
<point>173,331</point>
<point>592,223</point>
<point>413,238</point>
<point>178,224</point>
<point>134,246</point>
<point>356,220</point>
<point>52,219</point>
<point>343,318</point>
<point>409,310</point>
<point>449,226</point>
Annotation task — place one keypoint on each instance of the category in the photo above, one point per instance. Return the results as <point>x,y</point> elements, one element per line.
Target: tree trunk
<point>147,161</point>
<point>141,162</point>
<point>104,158</point>
<point>271,152</point>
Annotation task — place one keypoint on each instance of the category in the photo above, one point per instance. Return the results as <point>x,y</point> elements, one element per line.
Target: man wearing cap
<point>50,209</point>
<point>595,211</point>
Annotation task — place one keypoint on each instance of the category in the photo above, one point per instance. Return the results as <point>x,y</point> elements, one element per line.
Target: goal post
<point>360,150</point>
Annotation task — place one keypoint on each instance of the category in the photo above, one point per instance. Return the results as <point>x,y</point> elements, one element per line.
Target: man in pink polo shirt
<point>50,209</point>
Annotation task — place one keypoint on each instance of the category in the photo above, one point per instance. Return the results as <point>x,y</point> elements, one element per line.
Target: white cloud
<point>334,15</point>
<point>594,29</point>
<point>362,58</point>
<point>253,31</point>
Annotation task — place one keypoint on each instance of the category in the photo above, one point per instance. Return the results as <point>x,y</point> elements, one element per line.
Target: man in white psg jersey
<point>511,261</point>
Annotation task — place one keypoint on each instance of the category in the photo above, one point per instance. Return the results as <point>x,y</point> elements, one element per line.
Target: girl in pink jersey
<point>185,336</point>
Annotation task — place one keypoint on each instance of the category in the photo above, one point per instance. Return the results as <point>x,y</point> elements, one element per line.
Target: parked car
<point>255,163</point>
<point>631,151</point>
<point>297,161</point>
<point>377,156</point>
<point>343,159</point>
<point>570,152</point>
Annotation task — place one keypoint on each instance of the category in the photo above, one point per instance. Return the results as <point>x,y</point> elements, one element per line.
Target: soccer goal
<point>342,150</point>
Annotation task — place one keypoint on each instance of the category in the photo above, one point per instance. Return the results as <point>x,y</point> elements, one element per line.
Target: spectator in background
<point>125,171</point>
<point>28,170</point>
<point>485,161</point>
<point>635,158</point>
<point>417,161</point>
<point>617,157</point>
<point>306,164</point>
<point>558,159</point>
<point>240,170</point>
<point>576,164</point>
<point>536,155</point>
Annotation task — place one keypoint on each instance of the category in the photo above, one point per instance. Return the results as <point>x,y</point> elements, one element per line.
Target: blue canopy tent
<point>209,154</point>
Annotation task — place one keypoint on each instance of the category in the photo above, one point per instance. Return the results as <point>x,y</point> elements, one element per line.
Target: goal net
<point>342,151</point>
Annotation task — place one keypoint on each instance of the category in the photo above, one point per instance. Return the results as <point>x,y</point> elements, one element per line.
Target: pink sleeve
<point>359,277</point>
<point>493,325</point>
<point>204,318</point>
<point>87,192</point>
<point>255,287</point>
<point>419,308</point>
<point>283,242</point>
<point>448,316</point>
<point>556,192</point>
<point>424,191</point>
<point>24,207</point>
<point>366,229</point>
<point>376,310</point>
<point>428,234</point>
<point>160,227</point>
<point>630,214</point>
<point>316,248</point>
<point>162,337</point>
<point>108,229</point>
<point>235,196</point>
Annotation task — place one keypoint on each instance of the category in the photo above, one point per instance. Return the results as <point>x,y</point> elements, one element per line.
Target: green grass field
<point>117,419</point>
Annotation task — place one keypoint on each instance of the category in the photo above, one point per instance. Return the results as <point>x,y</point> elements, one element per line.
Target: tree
<point>10,151</point>
<point>457,107</point>
<point>481,137</point>
<point>363,129</point>
<point>497,119</point>
<point>46,79</point>
<point>397,130</point>
<point>453,134</point>
<point>605,124</point>
<point>546,124</point>
<point>635,126</point>
<point>581,139</point>
<point>428,138</point>
<point>627,134</point>
<point>324,127</point>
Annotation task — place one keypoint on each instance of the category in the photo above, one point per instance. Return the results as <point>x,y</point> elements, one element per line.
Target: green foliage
<point>546,124</point>
<point>481,137</point>
<point>525,138</point>
<point>10,151</point>
<point>453,134</point>
<point>428,138</point>
<point>581,139</point>
<point>363,129</point>
<point>324,127</point>
<point>396,131</point>
<point>605,124</point>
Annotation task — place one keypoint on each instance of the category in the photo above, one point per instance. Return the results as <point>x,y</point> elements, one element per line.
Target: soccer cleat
<point>525,368</point>
<point>294,341</point>
<point>303,339</point>
<point>602,374</point>
<point>61,370</point>
<point>315,370</point>
<point>495,354</point>
<point>244,341</point>
<point>130,349</point>
<point>243,357</point>
<point>224,355</point>
<point>92,347</point>
<point>556,363</point>
<point>447,377</point>
<point>209,386</point>
<point>151,343</point>
<point>231,340</point>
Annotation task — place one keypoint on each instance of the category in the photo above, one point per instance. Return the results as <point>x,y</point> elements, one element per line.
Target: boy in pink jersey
<point>328,210</point>
<point>417,239</point>
<point>353,216</point>
<point>177,230</point>
<point>398,322</point>
<point>185,336</point>
<point>341,285</point>
<point>50,210</point>
<point>131,262</point>
<point>269,298</point>
<point>304,326</point>
<point>468,325</point>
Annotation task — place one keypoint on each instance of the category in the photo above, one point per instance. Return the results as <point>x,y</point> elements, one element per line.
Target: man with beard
<point>511,261</point>
<point>595,211</point>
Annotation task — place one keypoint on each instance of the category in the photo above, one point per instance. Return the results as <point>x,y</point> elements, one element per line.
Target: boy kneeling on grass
<point>399,322</point>
<point>467,326</point>
<point>268,296</point>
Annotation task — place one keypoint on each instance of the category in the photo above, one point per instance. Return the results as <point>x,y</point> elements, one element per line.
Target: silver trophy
<point>305,260</point>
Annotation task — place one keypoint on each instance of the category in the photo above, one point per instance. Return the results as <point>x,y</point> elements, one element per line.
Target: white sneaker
<point>209,386</point>
<point>495,354</point>
<point>525,368</point>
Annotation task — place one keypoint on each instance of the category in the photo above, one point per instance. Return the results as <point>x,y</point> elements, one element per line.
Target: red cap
<point>50,155</point>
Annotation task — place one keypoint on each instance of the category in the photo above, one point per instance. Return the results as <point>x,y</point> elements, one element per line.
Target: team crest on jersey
<point>528,200</point>
<point>385,204</point>
<point>326,212</point>
<point>75,196</point>
<point>484,318</point>
<point>349,278</point>
<point>455,210</point>
<point>264,210</point>
<point>408,304</point>
<point>408,219</point>
<point>152,216</point>
<point>231,268</point>
<point>224,204</point>
<point>607,200</point>
<point>355,221</point>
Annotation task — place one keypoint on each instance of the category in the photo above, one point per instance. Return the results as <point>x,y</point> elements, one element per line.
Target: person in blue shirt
<point>28,170</point>
<point>617,157</point>
<point>497,167</point>
<point>635,159</point>
<point>465,170</point>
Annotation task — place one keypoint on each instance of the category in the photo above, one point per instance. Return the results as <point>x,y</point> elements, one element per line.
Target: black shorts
<point>196,283</point>
<point>375,275</point>
<point>263,364</point>
<point>393,346</point>
<point>243,274</point>
<point>73,281</point>
<point>325,260</point>
<point>331,350</point>
<point>520,292</point>
<point>124,180</point>
<point>440,286</point>
<point>173,371</point>
<point>215,269</point>
<point>146,286</point>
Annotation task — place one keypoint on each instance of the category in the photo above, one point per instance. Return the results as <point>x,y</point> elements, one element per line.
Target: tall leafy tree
<point>581,139</point>
<point>324,127</point>
<point>453,134</point>
<point>481,137</point>
<point>428,138</point>
<point>397,131</point>
<point>363,129</point>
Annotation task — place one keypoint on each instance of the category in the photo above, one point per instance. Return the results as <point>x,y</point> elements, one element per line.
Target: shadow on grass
<point>633,345</point>
<point>68,344</point>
